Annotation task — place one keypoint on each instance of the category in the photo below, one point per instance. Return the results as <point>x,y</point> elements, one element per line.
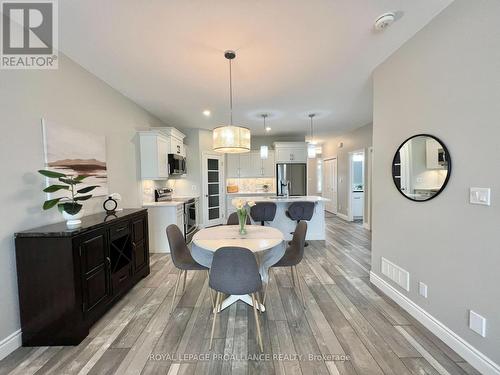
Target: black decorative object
<point>421,167</point>
<point>110,205</point>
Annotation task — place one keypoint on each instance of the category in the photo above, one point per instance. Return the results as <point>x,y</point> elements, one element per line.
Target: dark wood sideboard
<point>68,278</point>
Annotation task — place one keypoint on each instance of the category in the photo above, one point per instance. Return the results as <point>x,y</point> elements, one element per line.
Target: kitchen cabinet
<point>290,152</point>
<point>433,150</point>
<point>269,165</point>
<point>250,165</point>
<point>232,165</point>
<point>155,145</point>
<point>358,204</point>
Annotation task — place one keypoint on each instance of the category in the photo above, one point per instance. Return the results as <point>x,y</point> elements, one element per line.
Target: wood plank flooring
<point>349,327</point>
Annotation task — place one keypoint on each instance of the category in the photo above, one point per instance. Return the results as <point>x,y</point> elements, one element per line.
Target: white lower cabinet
<point>358,204</point>
<point>160,217</point>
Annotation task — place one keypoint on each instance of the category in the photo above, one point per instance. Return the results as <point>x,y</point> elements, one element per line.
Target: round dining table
<point>265,242</point>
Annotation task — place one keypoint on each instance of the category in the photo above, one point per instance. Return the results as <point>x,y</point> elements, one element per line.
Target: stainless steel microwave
<point>176,164</point>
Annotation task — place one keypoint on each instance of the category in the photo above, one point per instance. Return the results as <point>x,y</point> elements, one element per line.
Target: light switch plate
<point>422,289</point>
<point>477,323</point>
<point>480,196</point>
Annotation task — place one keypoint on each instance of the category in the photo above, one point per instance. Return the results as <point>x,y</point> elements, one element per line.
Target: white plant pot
<point>73,221</point>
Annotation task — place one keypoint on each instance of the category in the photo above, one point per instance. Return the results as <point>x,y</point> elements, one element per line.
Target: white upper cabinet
<point>155,145</point>
<point>233,165</point>
<point>154,156</point>
<point>433,148</point>
<point>291,152</point>
<point>250,165</point>
<point>268,165</point>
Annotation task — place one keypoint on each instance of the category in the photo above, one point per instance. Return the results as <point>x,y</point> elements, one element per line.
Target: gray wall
<point>68,96</point>
<point>446,82</point>
<point>358,139</point>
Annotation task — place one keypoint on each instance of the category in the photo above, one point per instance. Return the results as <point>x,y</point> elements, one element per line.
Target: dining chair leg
<point>184,283</point>
<point>257,299</point>
<point>293,277</point>
<point>300,288</point>
<point>215,317</point>
<point>210,291</point>
<point>175,290</point>
<point>257,324</point>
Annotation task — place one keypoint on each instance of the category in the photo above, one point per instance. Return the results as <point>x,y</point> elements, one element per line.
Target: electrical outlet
<point>193,187</point>
<point>422,289</point>
<point>477,323</point>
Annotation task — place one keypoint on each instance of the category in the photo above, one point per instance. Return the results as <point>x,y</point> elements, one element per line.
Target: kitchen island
<point>315,227</point>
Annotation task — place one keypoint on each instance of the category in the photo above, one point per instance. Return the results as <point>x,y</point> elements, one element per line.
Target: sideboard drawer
<point>119,230</point>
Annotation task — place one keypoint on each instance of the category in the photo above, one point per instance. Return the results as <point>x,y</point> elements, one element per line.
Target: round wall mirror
<point>421,167</point>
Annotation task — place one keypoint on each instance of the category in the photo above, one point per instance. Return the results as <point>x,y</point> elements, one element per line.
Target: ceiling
<point>293,56</point>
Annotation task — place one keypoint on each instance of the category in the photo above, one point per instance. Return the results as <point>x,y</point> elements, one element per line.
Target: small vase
<point>242,218</point>
<point>73,221</point>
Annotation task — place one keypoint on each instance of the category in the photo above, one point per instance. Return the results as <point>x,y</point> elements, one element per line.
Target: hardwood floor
<point>349,327</point>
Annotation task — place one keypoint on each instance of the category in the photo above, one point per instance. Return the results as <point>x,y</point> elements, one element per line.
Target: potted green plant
<point>69,205</point>
<point>242,211</point>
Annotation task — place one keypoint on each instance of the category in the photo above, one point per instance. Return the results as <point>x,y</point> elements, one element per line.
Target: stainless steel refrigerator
<point>291,177</point>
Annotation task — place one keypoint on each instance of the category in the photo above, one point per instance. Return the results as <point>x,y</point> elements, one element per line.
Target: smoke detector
<point>384,21</point>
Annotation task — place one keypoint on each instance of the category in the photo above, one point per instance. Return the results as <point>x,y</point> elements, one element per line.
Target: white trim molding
<point>10,343</point>
<point>343,217</point>
<point>473,356</point>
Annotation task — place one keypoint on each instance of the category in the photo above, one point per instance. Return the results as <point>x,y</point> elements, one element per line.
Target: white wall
<point>445,82</point>
<point>68,96</point>
<point>358,139</point>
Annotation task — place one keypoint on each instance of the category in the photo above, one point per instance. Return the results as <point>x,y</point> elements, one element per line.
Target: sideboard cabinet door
<point>94,259</point>
<point>140,249</point>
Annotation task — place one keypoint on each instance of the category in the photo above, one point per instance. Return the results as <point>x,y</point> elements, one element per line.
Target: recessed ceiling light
<point>207,113</point>
<point>268,128</point>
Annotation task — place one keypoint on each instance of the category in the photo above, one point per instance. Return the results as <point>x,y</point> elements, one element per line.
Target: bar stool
<point>300,211</point>
<point>263,211</point>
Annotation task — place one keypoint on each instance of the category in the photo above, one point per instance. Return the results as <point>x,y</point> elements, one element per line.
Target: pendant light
<point>264,150</point>
<point>231,139</point>
<point>311,146</point>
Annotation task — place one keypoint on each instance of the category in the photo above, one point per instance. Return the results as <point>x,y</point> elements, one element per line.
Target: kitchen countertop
<point>178,200</point>
<point>252,193</point>
<point>274,198</point>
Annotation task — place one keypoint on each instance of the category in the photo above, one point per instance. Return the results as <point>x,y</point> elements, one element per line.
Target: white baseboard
<point>473,356</point>
<point>343,217</point>
<point>10,343</point>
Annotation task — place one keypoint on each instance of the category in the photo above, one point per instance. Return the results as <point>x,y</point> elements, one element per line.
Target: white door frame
<point>349,181</point>
<point>204,188</point>
<point>336,182</point>
<point>367,219</point>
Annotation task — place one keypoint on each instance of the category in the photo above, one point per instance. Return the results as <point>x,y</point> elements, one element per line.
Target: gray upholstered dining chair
<point>233,219</point>
<point>300,211</point>
<point>235,271</point>
<point>182,259</point>
<point>293,256</point>
<point>263,211</point>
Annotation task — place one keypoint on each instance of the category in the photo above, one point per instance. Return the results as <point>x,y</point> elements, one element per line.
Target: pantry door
<point>213,189</point>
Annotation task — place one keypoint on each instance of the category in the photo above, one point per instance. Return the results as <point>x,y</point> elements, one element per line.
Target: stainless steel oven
<point>190,226</point>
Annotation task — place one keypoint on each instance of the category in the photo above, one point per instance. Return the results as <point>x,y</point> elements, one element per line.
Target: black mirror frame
<point>447,175</point>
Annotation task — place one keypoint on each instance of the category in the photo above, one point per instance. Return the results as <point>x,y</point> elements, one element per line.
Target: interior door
<point>330,184</point>
<point>213,190</point>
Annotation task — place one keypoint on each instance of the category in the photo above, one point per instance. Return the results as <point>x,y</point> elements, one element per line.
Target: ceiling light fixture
<point>264,150</point>
<point>207,113</point>
<point>311,146</point>
<point>231,139</point>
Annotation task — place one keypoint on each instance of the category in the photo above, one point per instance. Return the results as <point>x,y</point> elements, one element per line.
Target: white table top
<point>258,238</point>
